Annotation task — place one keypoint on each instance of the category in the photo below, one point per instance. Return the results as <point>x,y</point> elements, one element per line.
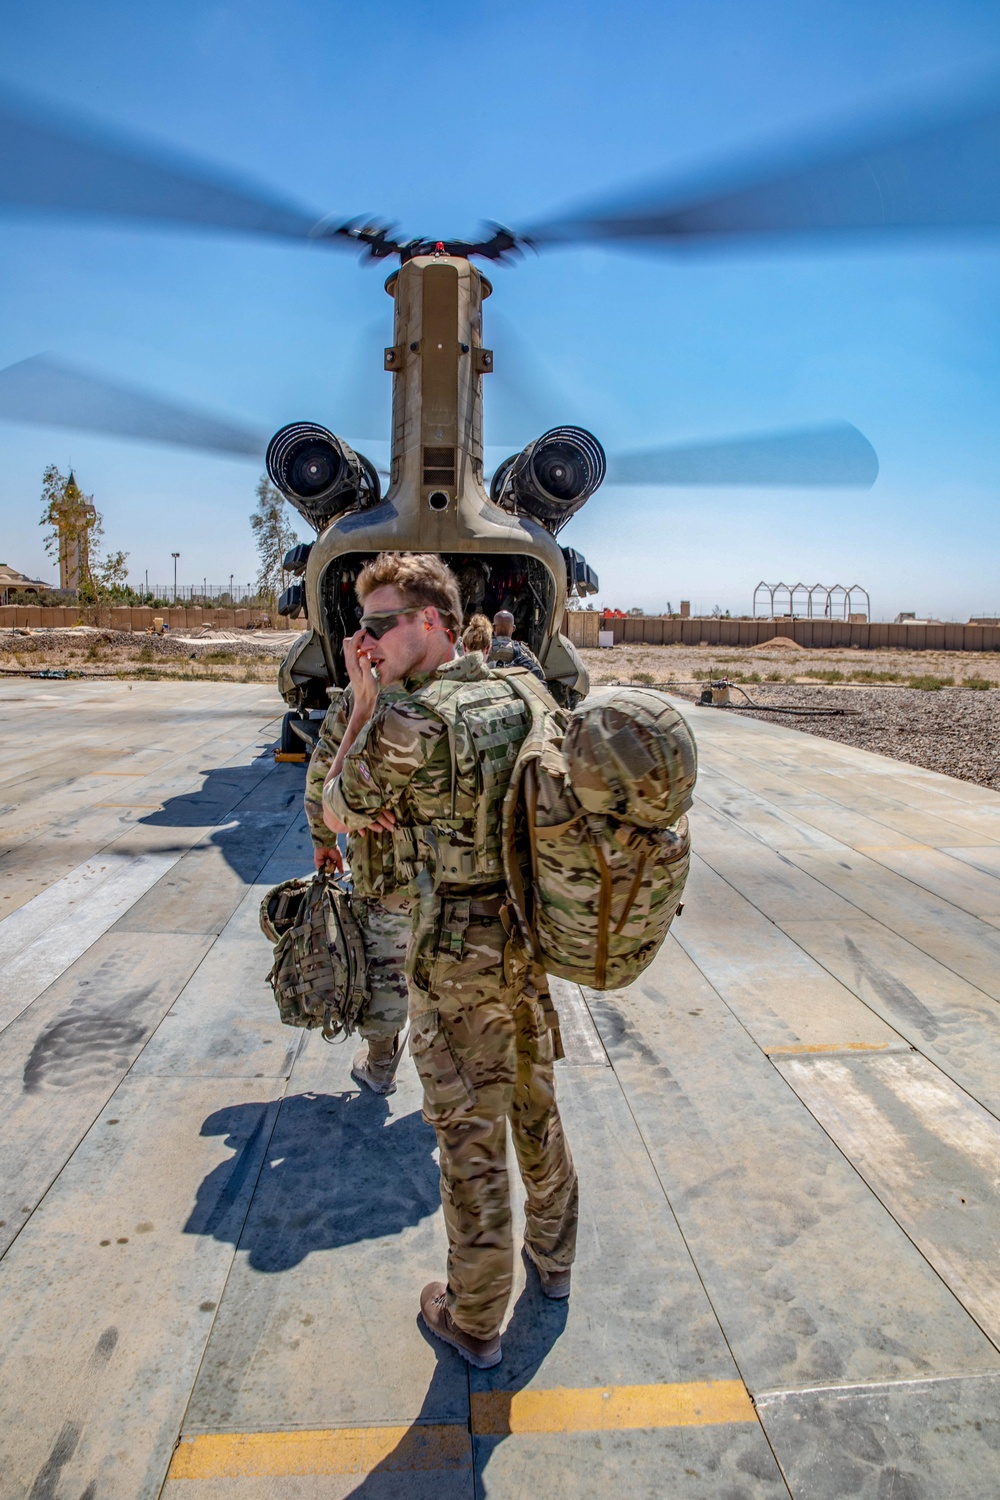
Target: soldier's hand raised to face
<point>362,679</point>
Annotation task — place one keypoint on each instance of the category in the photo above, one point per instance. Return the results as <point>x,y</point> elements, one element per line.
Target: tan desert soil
<point>954,730</point>
<point>242,656</point>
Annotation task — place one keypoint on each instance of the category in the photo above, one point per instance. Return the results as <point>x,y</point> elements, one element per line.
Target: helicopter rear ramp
<point>787,1134</point>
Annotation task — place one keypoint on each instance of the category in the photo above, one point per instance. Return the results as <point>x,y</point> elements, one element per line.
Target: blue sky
<point>439,115</point>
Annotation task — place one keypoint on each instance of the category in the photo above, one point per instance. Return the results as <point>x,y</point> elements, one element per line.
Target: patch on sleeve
<point>364,770</point>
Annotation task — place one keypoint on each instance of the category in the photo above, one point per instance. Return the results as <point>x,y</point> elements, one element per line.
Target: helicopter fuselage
<point>436,500</point>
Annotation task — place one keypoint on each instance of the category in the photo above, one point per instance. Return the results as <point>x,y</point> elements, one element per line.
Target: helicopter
<point>498,532</point>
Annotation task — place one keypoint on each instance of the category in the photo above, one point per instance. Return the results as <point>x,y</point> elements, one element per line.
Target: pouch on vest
<point>318,976</point>
<point>486,725</point>
<point>595,892</point>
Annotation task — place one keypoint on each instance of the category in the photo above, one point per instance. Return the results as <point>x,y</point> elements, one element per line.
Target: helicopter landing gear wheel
<point>289,742</point>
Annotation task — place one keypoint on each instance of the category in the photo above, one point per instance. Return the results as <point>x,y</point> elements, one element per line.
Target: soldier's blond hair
<point>478,634</point>
<point>420,577</point>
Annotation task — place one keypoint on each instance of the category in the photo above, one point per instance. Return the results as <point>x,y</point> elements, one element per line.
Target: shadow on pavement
<point>412,1473</point>
<point>246,818</point>
<point>338,1169</point>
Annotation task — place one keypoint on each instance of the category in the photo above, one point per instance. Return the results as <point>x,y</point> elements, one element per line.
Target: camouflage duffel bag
<point>606,891</point>
<point>603,812</point>
<point>318,975</point>
<point>630,753</point>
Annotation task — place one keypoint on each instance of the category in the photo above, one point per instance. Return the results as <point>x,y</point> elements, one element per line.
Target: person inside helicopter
<point>505,651</point>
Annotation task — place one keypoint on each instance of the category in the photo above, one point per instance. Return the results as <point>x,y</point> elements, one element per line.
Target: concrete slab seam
<point>760,1398</point>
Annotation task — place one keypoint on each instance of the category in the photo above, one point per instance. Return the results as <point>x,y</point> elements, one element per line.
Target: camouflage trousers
<point>385,924</point>
<point>484,1053</point>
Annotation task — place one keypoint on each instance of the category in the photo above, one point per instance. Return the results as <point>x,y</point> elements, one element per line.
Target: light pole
<point>175,556</point>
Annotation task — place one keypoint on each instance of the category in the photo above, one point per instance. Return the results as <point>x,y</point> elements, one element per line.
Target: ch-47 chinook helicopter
<point>498,533</point>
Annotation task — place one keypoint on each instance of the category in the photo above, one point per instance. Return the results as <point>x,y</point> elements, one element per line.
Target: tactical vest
<point>486,724</point>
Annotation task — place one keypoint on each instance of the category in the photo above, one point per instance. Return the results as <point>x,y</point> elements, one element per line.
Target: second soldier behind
<point>380,904</point>
<point>506,652</point>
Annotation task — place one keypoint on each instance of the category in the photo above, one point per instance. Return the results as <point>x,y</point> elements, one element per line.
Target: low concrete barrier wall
<point>36,616</point>
<point>582,627</point>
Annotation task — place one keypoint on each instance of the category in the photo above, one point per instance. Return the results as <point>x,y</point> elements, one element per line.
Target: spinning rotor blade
<point>834,454</point>
<point>54,394</point>
<point>62,165</point>
<point>941,174</point>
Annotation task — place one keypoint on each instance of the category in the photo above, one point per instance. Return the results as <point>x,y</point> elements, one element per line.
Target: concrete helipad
<point>788,1136</point>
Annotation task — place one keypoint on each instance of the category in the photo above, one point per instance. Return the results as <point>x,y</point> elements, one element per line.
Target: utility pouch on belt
<point>318,976</point>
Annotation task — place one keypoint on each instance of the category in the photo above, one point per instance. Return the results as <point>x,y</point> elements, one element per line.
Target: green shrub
<point>978,684</point>
<point>828,674</point>
<point>929,683</point>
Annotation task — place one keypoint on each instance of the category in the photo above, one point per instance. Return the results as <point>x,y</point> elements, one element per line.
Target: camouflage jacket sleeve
<point>330,737</point>
<point>397,743</point>
<point>525,657</point>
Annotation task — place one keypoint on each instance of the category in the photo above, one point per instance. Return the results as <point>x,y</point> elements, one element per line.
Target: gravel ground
<point>955,730</point>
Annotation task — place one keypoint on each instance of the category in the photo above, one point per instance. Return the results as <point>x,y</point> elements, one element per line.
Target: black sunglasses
<point>378,625</point>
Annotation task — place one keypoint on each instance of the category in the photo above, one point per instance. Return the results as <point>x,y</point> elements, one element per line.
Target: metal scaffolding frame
<point>817,601</point>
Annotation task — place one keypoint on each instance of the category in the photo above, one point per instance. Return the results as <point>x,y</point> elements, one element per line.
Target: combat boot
<point>483,1353</point>
<point>376,1063</point>
<point>554,1284</point>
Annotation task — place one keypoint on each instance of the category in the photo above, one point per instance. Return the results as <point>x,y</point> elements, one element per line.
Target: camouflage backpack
<point>318,976</point>
<point>599,798</point>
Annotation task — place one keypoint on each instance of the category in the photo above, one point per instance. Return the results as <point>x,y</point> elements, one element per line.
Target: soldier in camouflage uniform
<point>506,652</point>
<point>382,909</point>
<point>434,766</point>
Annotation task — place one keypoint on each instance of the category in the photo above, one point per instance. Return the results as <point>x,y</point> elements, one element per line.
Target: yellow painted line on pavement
<point>613,1408</point>
<point>343,1450</point>
<point>798,1050</point>
<point>360,1450</point>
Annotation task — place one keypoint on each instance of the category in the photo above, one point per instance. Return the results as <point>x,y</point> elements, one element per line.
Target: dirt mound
<point>782,642</point>
<point>126,645</point>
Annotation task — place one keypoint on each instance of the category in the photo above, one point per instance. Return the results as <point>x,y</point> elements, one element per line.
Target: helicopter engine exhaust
<point>552,478</point>
<point>319,474</point>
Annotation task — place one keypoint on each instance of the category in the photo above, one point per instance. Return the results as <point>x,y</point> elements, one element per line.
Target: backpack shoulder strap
<point>524,786</point>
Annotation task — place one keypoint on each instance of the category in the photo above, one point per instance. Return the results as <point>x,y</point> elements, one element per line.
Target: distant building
<point>76,518</point>
<point>12,582</point>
